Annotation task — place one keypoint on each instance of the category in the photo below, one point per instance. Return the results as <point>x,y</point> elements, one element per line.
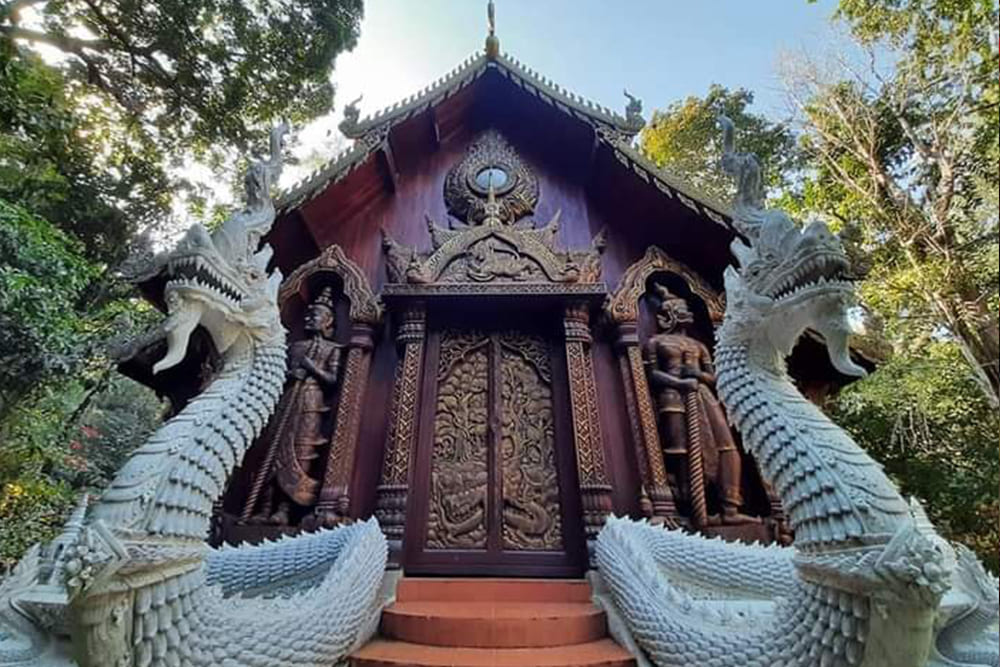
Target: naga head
<point>787,278</point>
<point>219,280</point>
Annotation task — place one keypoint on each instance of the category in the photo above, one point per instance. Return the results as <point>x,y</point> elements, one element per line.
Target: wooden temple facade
<point>473,293</point>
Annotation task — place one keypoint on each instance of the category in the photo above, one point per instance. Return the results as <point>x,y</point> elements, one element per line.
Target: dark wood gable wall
<point>578,177</point>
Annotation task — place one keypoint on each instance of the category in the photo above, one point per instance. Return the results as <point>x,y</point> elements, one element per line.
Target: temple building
<point>489,346</point>
<point>500,318</point>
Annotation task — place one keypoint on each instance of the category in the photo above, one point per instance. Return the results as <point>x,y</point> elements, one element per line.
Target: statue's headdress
<point>666,310</point>
<point>325,299</point>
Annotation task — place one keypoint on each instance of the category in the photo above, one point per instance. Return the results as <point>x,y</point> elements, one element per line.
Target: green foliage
<point>925,420</point>
<point>685,139</point>
<point>196,73</point>
<point>42,276</point>
<point>71,163</point>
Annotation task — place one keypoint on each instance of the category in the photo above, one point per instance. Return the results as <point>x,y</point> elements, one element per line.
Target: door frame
<point>417,559</point>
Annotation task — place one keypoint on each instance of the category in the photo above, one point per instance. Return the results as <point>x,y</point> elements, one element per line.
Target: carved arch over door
<point>623,304</point>
<point>365,306</point>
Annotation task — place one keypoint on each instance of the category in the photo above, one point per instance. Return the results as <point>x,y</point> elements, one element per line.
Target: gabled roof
<point>616,131</point>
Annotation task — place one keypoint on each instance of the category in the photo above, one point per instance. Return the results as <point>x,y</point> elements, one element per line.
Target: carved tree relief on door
<point>459,466</point>
<point>531,512</point>
<point>493,480</point>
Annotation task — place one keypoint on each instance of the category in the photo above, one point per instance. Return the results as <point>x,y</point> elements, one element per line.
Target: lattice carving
<point>622,305</point>
<point>364,305</point>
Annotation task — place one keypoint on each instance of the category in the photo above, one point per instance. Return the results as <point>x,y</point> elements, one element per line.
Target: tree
<point>684,138</point>
<point>907,153</point>
<point>195,73</point>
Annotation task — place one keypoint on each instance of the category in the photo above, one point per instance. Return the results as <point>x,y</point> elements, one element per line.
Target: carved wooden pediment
<point>490,191</point>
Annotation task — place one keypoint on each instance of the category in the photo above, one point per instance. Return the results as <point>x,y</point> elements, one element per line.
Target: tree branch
<point>61,42</point>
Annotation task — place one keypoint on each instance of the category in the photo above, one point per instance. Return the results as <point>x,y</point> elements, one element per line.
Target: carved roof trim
<point>474,67</point>
<point>612,129</point>
<point>364,305</point>
<point>622,305</point>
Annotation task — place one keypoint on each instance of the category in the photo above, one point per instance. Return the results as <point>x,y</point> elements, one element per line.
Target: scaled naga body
<point>868,583</point>
<point>131,583</point>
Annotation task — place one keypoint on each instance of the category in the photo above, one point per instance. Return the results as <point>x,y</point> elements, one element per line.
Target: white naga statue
<point>131,582</point>
<point>868,581</point>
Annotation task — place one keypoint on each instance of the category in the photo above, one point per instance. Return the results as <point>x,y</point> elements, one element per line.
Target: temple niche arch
<point>633,307</point>
<point>282,495</point>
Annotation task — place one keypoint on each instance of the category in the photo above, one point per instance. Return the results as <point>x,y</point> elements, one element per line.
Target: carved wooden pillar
<point>390,504</point>
<point>642,417</point>
<point>594,487</point>
<point>334,504</point>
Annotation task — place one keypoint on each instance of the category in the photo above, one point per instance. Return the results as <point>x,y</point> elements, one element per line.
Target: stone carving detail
<point>138,578</point>
<point>531,510</point>
<point>623,304</point>
<point>491,164</point>
<point>289,478</point>
<point>865,584</point>
<point>693,426</point>
<point>459,462</point>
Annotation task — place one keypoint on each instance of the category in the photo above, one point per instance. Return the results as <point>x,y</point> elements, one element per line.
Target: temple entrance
<point>494,484</point>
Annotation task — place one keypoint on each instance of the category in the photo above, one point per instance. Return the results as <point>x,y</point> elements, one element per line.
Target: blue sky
<point>661,50</point>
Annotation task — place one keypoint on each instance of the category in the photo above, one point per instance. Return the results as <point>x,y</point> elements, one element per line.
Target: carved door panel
<point>489,494</point>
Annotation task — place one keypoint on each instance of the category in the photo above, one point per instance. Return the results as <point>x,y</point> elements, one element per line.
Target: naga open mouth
<point>821,269</point>
<point>195,272</point>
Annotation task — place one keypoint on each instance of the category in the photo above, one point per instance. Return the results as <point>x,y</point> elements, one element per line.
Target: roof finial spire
<point>492,41</point>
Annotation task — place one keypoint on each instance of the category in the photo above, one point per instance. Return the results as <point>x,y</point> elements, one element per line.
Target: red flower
<point>75,445</point>
<point>89,432</point>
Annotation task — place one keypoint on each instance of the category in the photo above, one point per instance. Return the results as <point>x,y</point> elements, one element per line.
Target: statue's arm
<point>706,369</point>
<point>327,376</point>
<point>662,380</point>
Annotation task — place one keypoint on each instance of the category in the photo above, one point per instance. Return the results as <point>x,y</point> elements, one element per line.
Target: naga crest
<point>219,279</point>
<point>787,279</point>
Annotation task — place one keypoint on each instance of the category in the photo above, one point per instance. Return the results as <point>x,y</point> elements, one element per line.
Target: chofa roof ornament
<point>492,41</point>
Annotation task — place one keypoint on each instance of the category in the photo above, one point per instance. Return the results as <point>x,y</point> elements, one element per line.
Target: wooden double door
<point>494,489</point>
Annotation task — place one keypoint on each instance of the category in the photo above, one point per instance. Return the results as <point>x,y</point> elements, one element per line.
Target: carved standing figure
<point>302,424</point>
<point>691,419</point>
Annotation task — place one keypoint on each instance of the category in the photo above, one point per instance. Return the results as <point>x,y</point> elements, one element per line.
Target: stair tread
<point>502,610</point>
<point>592,654</point>
<point>416,589</point>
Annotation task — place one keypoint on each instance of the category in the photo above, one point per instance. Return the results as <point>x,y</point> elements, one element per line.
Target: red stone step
<point>492,590</point>
<point>494,624</point>
<point>386,653</point>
